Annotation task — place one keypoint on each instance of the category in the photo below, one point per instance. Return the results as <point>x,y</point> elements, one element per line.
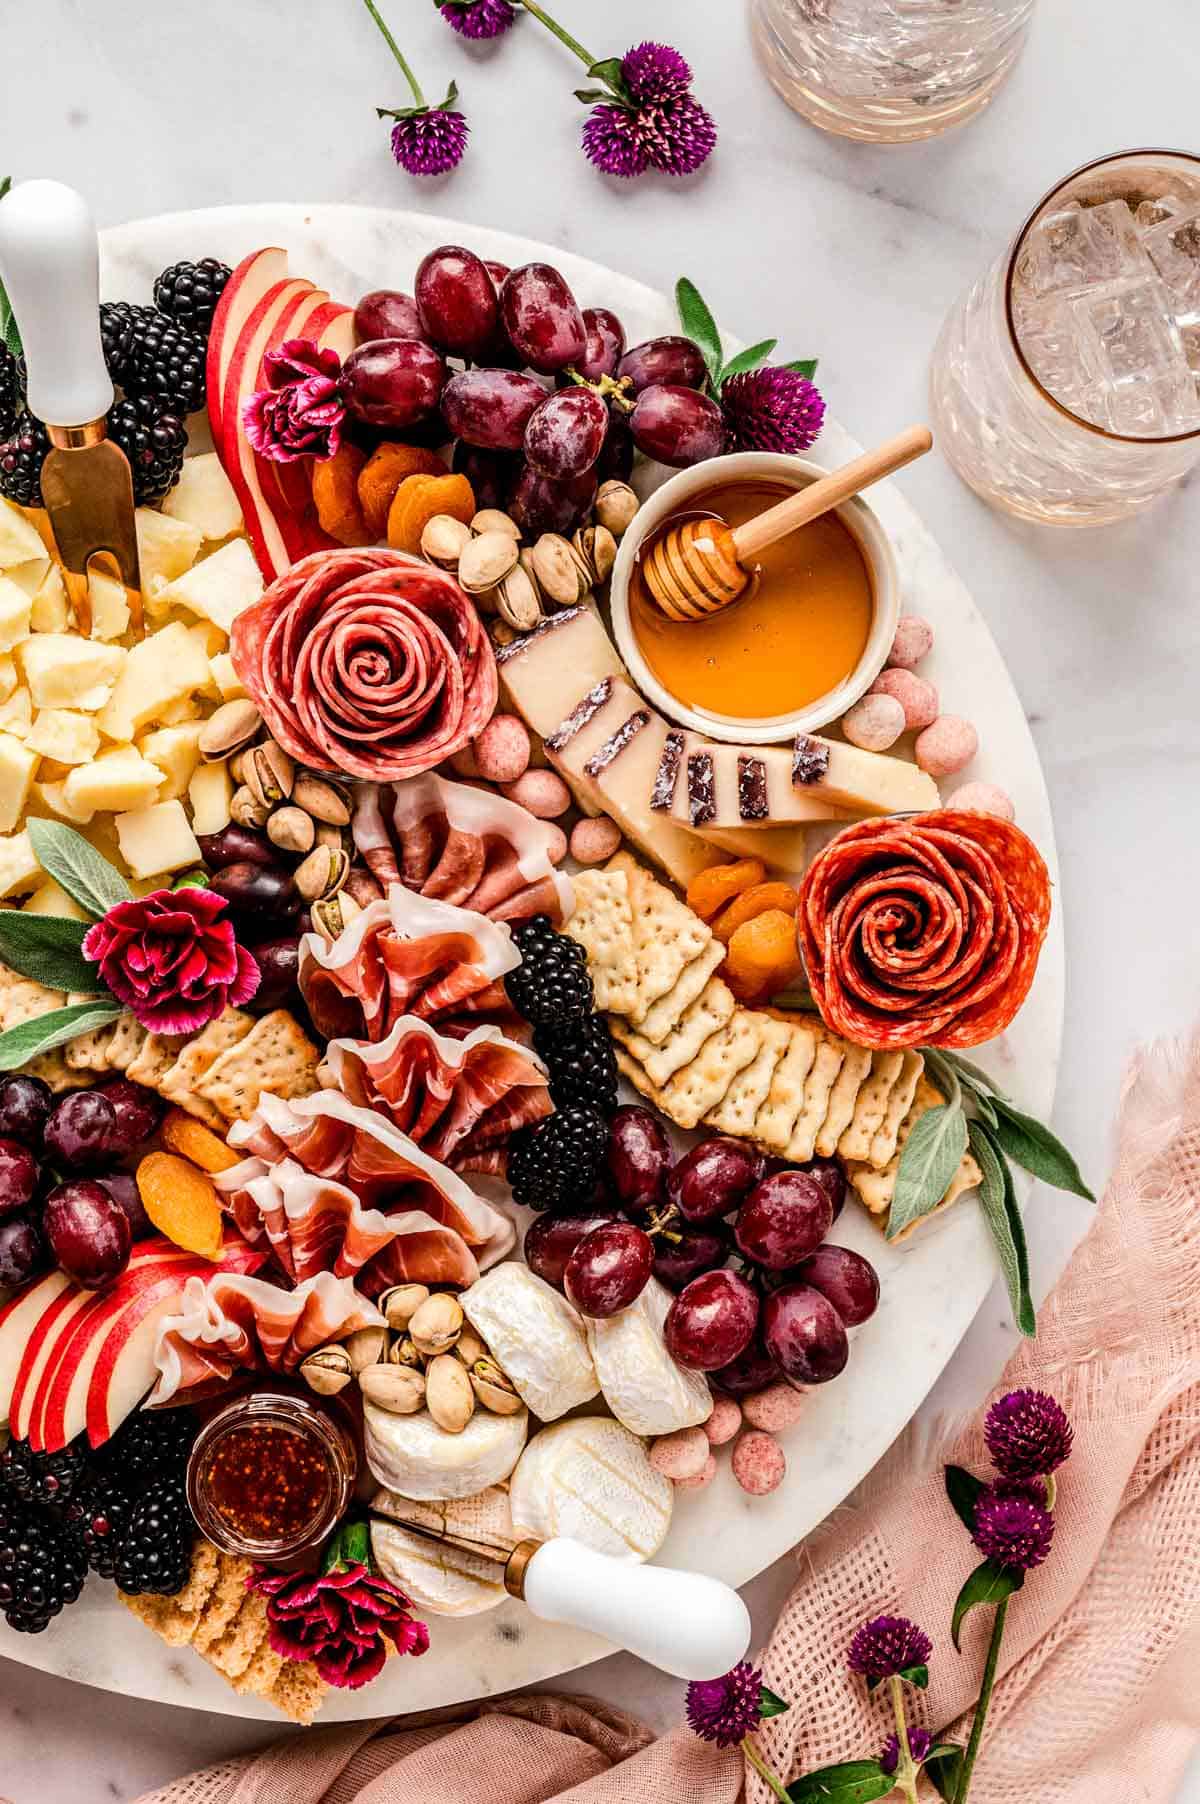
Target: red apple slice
<point>39,1350</point>
<point>18,1318</point>
<point>253,277</point>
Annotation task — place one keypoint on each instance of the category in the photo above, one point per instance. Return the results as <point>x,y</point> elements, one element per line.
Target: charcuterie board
<point>930,1289</point>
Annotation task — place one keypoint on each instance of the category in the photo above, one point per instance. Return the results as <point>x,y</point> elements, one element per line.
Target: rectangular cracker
<point>89,1052</point>
<point>128,1038</point>
<point>877,1188</point>
<point>667,935</point>
<point>276,1055</point>
<point>669,1009</point>
<point>156,1055</point>
<point>856,1064</point>
<point>870,1105</point>
<point>818,1086</point>
<point>603,925</point>
<point>629,1068</point>
<point>965,1178</point>
<point>699,1086</point>
<point>883,1145</point>
<point>707,1015</point>
<point>775,1122</point>
<point>178,1085</point>
<point>737,1110</point>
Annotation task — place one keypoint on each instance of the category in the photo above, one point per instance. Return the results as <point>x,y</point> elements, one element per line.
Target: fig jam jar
<point>270,1476</point>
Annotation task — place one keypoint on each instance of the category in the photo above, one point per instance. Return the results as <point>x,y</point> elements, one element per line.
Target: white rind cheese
<point>535,1336</point>
<point>440,1578</point>
<point>412,1455</point>
<point>590,1478</point>
<point>642,1384</point>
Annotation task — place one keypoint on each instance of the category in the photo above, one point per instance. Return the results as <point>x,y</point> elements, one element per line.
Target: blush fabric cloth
<point>1097,1697</point>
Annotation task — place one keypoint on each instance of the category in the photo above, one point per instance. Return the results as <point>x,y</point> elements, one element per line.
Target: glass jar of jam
<point>270,1475</point>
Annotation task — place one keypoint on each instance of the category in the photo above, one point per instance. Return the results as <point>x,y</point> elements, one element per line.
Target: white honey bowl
<point>673,497</point>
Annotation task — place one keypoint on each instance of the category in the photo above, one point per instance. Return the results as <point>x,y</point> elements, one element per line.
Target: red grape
<point>564,434</point>
<point>551,1239</point>
<point>663,360</point>
<point>783,1220</point>
<point>541,318</point>
<point>122,1187</point>
<point>681,1256</point>
<point>638,1156</point>
<point>604,344</point>
<point>18,1176</point>
<point>711,1321</point>
<point>712,1179</point>
<point>832,1178</point>
<point>278,962</point>
<point>88,1231</point>
<point>259,895</point>
<point>491,474</point>
<point>236,845</point>
<point>609,1269</point>
<point>616,453</point>
<point>456,299</point>
<point>392,382</point>
<point>497,271</point>
<point>677,426</point>
<point>849,1281</point>
<point>751,1371</point>
<point>80,1130</point>
<point>386,313</point>
<point>22,1251</point>
<point>491,408</point>
<point>538,504</point>
<point>137,1110</point>
<point>25,1103</point>
<point>804,1334</point>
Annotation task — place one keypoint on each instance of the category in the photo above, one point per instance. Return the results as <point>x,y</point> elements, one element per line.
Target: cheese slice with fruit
<point>589,1478</point>
<point>544,673</point>
<point>412,1455</point>
<point>535,1336</point>
<point>642,1384</point>
<point>709,785</point>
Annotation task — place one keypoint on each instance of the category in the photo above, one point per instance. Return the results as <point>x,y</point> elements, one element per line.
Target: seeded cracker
<point>870,1105</point>
<point>669,1009</point>
<point>275,1056</point>
<point>707,1015</point>
<point>884,1144</point>
<point>178,1085</point>
<point>738,1108</point>
<point>698,1088</point>
<point>602,924</point>
<point>667,935</point>
<point>155,1057</point>
<point>776,1120</point>
<point>818,1087</point>
<point>856,1065</point>
<point>128,1038</point>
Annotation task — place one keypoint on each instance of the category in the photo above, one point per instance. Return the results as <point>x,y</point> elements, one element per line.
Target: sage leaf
<point>852,1782</point>
<point>963,1488</point>
<point>943,1766</point>
<point>46,948</point>
<point>803,366</point>
<point>30,1038</point>
<point>931,1156</point>
<point>975,1077</point>
<point>67,857</point>
<point>988,1584</point>
<point>770,1704</point>
<point>750,359</point>
<point>700,326</point>
<point>1035,1148</point>
<point>998,1199</point>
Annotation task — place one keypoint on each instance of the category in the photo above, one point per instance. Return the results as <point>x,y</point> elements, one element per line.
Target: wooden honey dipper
<point>699,566</point>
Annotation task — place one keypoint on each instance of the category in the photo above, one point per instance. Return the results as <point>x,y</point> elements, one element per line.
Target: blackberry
<point>12,389</point>
<point>582,1063</point>
<point>151,1444</point>
<point>153,438</point>
<point>551,984</point>
<point>98,1516</point>
<point>154,1553</point>
<point>21,458</point>
<point>43,1477</point>
<point>165,360</point>
<point>555,1165</point>
<point>42,1567</point>
<point>189,292</point>
<point>120,321</point>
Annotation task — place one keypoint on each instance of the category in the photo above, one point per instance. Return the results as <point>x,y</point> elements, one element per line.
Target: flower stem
<point>389,40</point>
<point>564,37</point>
<point>985,1698</point>
<point>906,1772</point>
<point>763,1770</point>
<point>1051,1490</point>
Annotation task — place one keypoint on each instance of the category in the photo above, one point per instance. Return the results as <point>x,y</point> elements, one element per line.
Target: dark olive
<point>236,845</point>
<point>261,893</point>
<point>279,962</point>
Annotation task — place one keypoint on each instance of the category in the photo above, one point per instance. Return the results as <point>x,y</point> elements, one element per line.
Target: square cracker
<point>699,1087</point>
<point>155,1056</point>
<point>856,1064</point>
<point>885,1141</point>
<point>667,935</point>
<point>669,1009</point>
<point>178,1085</point>
<point>707,1015</point>
<point>602,924</point>
<point>870,1105</point>
<point>276,1055</point>
<point>738,1108</point>
<point>818,1087</point>
<point>776,1119</point>
<point>128,1038</point>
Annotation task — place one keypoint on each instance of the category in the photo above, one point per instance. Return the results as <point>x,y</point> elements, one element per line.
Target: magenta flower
<point>171,958</point>
<point>426,140</point>
<point>1012,1529</point>
<point>919,1743</point>
<point>1028,1434</point>
<point>887,1646</point>
<point>771,409</point>
<point>613,141</point>
<point>725,1709</point>
<point>478,18</point>
<point>338,1620</point>
<point>655,72</point>
<point>300,412</point>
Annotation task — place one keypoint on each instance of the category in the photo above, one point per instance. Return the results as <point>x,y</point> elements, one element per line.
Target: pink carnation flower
<point>338,1620</point>
<point>300,412</point>
<point>171,957</point>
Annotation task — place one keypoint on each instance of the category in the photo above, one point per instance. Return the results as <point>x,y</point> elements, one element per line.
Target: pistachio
<point>365,1347</point>
<point>494,1388</point>
<point>291,830</point>
<point>469,1346</point>
<point>321,874</point>
<point>616,504</point>
<point>324,801</point>
<point>333,914</point>
<point>247,810</point>
<point>558,570</point>
<point>449,1395</point>
<point>490,519</point>
<point>327,1371</point>
<point>517,600</point>
<point>402,1352</point>
<point>235,767</point>
<point>444,539</point>
<point>500,633</point>
<point>362,887</point>
<point>486,561</point>
<point>597,548</point>
<point>436,1324</point>
<point>231,728</point>
<point>269,773</point>
<point>325,835</point>
<point>400,1303</point>
<point>397,1389</point>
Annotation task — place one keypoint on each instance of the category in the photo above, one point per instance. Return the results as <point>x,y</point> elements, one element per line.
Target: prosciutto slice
<point>454,1098</point>
<point>408,955</point>
<point>468,846</point>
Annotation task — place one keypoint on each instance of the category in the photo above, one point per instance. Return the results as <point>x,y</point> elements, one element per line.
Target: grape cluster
<point>63,1197</point>
<point>784,1313</point>
<point>547,403</point>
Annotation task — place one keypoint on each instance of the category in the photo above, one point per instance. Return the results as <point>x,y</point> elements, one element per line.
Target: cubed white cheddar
<point>204,498</point>
<point>50,612</point>
<point>167,667</point>
<point>214,639</point>
<point>15,608</point>
<point>210,793</point>
<point>63,735</point>
<point>178,713</point>
<point>109,605</point>
<point>16,713</point>
<point>166,548</point>
<point>19,869</point>
<point>64,671</point>
<point>18,766</point>
<point>225,676</point>
<point>50,898</point>
<point>117,780</point>
<point>218,587</point>
<point>157,839</point>
<point>54,797</point>
<point>176,751</point>
<point>8,676</point>
<point>20,539</point>
<point>29,576</point>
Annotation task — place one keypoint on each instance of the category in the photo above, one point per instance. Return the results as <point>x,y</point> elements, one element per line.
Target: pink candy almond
<point>982,798</point>
<point>947,746</point>
<point>502,749</point>
<point>913,641</point>
<point>874,723</point>
<point>758,1462</point>
<point>918,698</point>
<point>595,841</point>
<point>779,1406</point>
<point>680,1455</point>
<point>700,1479</point>
<point>724,1422</point>
<point>543,792</point>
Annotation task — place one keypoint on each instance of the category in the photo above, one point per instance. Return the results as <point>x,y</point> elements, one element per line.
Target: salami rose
<point>924,932</point>
<point>368,662</point>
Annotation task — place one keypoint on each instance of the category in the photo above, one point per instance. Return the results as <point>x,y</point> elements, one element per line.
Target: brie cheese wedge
<point>590,1478</point>
<point>642,1384</point>
<point>536,1337</point>
<point>440,1578</point>
<point>412,1455</point>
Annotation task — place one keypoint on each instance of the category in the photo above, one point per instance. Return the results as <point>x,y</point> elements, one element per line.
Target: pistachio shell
<point>444,539</point>
<point>486,561</point>
<point>401,1302</point>
<point>597,549</point>
<point>324,801</point>
<point>247,810</point>
<point>469,1346</point>
<point>398,1389</point>
<point>436,1324</point>
<point>291,830</point>
<point>558,570</point>
<point>365,1347</point>
<point>490,519</point>
<point>229,729</point>
<point>327,1371</point>
<point>616,504</point>
<point>333,914</point>
<point>322,873</point>
<point>493,1388</point>
<point>449,1396</point>
<point>517,601</point>
<point>269,773</point>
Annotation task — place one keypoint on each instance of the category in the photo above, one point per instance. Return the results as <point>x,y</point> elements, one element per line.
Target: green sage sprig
<point>695,316</point>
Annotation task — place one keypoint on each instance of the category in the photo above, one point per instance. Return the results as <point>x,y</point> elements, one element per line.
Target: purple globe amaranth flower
<point>431,142</point>
<point>771,409</point>
<point>655,72</point>
<point>888,1645</point>
<point>1012,1529</point>
<point>919,1743</point>
<point>613,141</point>
<point>1028,1434</point>
<point>725,1709</point>
<point>300,412</point>
<point>672,136</point>
<point>479,19</point>
<point>685,135</point>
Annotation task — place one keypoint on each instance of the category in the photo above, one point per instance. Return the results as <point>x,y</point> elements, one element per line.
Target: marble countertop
<point>847,252</point>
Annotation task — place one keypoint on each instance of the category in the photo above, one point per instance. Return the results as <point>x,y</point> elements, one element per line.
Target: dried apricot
<point>181,1133</point>
<point>335,495</point>
<point>710,890</point>
<point>182,1202</point>
<point>418,499</point>
<point>386,468</point>
<point>754,901</point>
<point>762,957</point>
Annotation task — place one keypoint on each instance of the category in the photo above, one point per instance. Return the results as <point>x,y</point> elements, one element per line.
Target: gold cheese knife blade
<point>87,487</point>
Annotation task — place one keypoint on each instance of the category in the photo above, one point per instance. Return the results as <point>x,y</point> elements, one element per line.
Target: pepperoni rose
<point>367,662</point>
<point>924,932</point>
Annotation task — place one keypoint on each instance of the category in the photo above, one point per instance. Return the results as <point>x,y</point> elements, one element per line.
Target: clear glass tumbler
<point>1065,383</point>
<point>888,71</point>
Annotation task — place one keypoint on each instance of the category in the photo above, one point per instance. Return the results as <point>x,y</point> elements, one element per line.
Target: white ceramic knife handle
<point>49,264</point>
<point>681,1622</point>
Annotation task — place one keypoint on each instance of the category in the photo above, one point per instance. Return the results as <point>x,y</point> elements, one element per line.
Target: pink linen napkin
<point>1098,1698</point>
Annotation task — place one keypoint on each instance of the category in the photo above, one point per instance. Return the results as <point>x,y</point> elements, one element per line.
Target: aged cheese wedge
<point>642,1385</point>
<point>537,1338</point>
<point>443,1579</point>
<point>590,1479</point>
<point>705,793</point>
<point>544,673</point>
<point>711,786</point>
<point>412,1455</point>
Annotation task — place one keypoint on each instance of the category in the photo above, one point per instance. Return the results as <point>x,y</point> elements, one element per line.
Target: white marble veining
<point>853,254</point>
